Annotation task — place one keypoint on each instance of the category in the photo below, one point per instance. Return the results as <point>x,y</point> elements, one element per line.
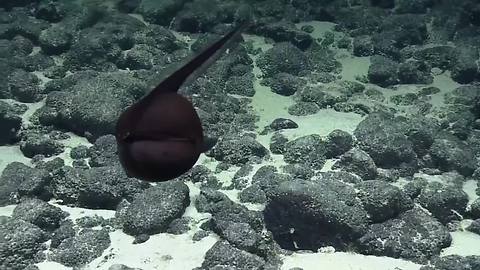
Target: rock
<point>285,32</point>
<point>223,254</point>
<point>240,85</point>
<point>284,84</point>
<point>21,244</point>
<point>383,137</point>
<point>414,72</point>
<point>453,154</point>
<point>153,210</point>
<point>421,237</point>
<point>475,209</point>
<point>363,46</point>
<point>47,217</point>
<point>24,86</point>
<point>96,188</point>
<point>358,162</point>
<point>383,71</point>
<point>19,180</point>
<point>338,142</point>
<point>122,266</point>
<point>382,200</point>
<point>318,213</point>
<point>82,248</point>
<point>309,150</point>
<point>446,203</point>
<point>55,40</point>
<point>38,144</point>
<point>159,12</point>
<point>455,262</point>
<point>239,150</point>
<point>252,194</point>
<point>10,123</point>
<point>284,57</point>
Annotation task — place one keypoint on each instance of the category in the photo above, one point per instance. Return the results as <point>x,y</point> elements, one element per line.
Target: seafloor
<point>348,135</point>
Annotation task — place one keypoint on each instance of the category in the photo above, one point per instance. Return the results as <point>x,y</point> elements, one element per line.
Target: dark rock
<point>103,152</point>
<point>285,32</point>
<point>18,180</point>
<point>414,235</point>
<point>363,46</point>
<point>160,12</point>
<point>90,221</point>
<point>309,150</point>
<point>475,209</point>
<point>241,177</point>
<point>96,188</point>
<point>427,91</point>
<point>55,40</point>
<point>412,6</point>
<point>158,37</point>
<point>383,71</point>
<point>50,165</point>
<point>36,62</point>
<point>382,200</point>
<point>414,72</point>
<point>199,235</point>
<point>91,103</point>
<point>453,154</point>
<point>239,150</point>
<point>141,56</point>
<point>22,24</point>
<point>24,86</point>
<point>122,266</point>
<point>382,137</point>
<point>21,244</point>
<point>283,123</point>
<point>338,142</point>
<point>10,123</point>
<point>50,11</point>
<point>414,188</point>
<point>268,179</point>
<point>153,210</point>
<point>383,3</point>
<point>278,143</point>
<point>321,213</point>
<point>441,56</point>
<point>284,84</point>
<point>179,226</point>
<point>358,162</point>
<point>297,170</point>
<point>283,57</point>
<point>465,68</point>
<point>303,108</point>
<point>47,217</point>
<point>79,152</point>
<point>445,202</point>
<point>252,194</point>
<point>223,254</point>
<point>35,144</point>
<point>341,176</point>
<point>407,99</point>
<point>81,249</point>
<point>240,85</point>
<point>128,6</point>
<point>141,238</point>
<point>65,231</point>
<point>455,262</point>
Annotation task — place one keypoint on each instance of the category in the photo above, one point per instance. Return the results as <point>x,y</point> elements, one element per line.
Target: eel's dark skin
<point>160,137</point>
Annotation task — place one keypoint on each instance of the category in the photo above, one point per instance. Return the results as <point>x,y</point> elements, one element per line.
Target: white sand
<point>345,261</point>
<point>464,243</point>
